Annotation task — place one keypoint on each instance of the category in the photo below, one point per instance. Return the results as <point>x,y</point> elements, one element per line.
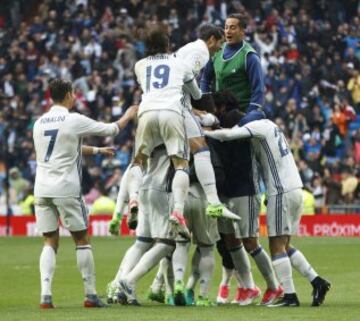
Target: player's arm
<point>207,77</point>
<point>93,150</point>
<point>85,126</point>
<point>191,87</point>
<point>229,133</point>
<point>256,81</point>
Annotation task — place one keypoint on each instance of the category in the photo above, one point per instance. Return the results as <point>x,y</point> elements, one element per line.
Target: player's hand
<point>114,227</point>
<point>132,111</point>
<point>107,151</point>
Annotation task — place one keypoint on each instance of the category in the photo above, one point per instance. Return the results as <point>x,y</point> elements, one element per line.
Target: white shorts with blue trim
<point>192,126</point>
<point>154,214</point>
<point>156,127</point>
<point>71,211</point>
<point>248,208</point>
<point>284,213</point>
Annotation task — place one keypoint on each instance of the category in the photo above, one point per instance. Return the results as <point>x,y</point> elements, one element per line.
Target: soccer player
<point>162,77</point>
<point>154,236</point>
<point>285,201</point>
<point>204,233</point>
<point>243,198</point>
<point>58,144</point>
<point>198,53</point>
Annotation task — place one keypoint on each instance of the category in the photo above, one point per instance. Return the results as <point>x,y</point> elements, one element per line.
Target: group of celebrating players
<point>195,175</point>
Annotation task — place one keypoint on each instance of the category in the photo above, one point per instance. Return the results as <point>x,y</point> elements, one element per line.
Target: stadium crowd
<point>310,54</point>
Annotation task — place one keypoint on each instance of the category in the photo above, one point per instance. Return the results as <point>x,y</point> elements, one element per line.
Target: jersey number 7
<point>161,75</point>
<point>53,134</point>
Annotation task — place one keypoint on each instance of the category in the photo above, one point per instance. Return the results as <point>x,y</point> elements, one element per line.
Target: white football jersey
<point>196,54</point>
<point>57,140</point>
<point>161,78</point>
<point>277,164</point>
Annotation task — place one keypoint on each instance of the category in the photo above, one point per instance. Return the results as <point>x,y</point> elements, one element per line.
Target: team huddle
<point>194,177</point>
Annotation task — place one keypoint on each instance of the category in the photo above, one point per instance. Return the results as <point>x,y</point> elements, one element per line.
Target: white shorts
<point>248,208</point>
<point>284,213</point>
<point>192,125</point>
<point>203,228</point>
<point>154,213</point>
<point>162,127</point>
<point>72,212</point>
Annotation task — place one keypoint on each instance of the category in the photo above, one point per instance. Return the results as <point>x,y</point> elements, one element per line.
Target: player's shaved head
<point>59,88</point>
<point>157,40</point>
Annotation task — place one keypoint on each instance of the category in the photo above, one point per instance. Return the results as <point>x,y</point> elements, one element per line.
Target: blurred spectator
<point>349,183</point>
<point>309,202</point>
<point>18,183</point>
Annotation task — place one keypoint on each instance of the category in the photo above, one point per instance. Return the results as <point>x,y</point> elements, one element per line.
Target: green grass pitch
<point>337,259</point>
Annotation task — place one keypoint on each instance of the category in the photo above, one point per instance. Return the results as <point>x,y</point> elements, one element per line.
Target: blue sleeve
<point>256,81</point>
<point>207,77</point>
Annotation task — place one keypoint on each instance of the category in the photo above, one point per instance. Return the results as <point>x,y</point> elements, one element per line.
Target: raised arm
<point>92,150</point>
<point>229,133</point>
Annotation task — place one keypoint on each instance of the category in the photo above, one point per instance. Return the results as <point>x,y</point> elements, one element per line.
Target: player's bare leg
<point>85,263</point>
<point>180,188</point>
<point>302,265</point>
<point>263,262</point>
<point>283,270</point>
<point>206,175</point>
<point>47,266</point>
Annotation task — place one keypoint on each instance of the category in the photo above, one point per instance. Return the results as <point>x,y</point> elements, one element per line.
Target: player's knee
<point>80,237</point>
<point>231,241</point>
<point>250,243</point>
<point>277,245</point>
<point>197,144</point>
<point>179,163</point>
<point>52,239</point>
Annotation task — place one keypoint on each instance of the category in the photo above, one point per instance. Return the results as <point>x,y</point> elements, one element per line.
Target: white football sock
<point>123,194</point>
<point>240,282</point>
<point>150,259</point>
<point>168,274</point>
<point>282,267</point>
<point>47,269</point>
<point>206,268</point>
<point>179,260</point>
<point>263,263</point>
<point>85,263</point>
<point>226,276</point>
<point>180,187</point>
<point>134,181</point>
<point>242,265</point>
<point>206,175</point>
<point>301,264</point>
<point>195,273</point>
<point>131,258</point>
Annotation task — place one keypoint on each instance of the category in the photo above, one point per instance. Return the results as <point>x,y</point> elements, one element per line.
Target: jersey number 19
<point>158,77</point>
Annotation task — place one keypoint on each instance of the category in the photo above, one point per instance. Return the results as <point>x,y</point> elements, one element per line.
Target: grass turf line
<point>337,259</point>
